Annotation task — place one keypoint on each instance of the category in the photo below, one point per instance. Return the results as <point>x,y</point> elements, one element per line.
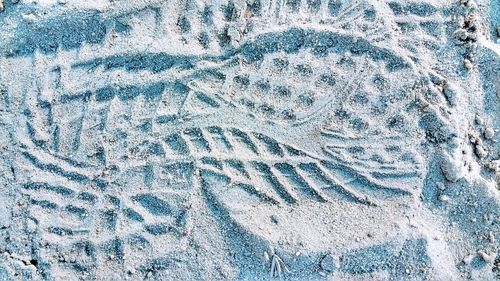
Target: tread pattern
<point>115,143</point>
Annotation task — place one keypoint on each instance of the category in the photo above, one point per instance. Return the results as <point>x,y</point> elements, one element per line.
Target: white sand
<point>249,140</point>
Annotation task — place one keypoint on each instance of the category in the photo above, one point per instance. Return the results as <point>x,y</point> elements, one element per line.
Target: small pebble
<point>443,198</point>
<point>489,133</point>
<point>330,263</point>
<point>461,34</point>
<point>451,169</point>
<point>480,151</point>
<point>274,219</point>
<point>479,120</point>
<point>467,64</point>
<point>440,185</point>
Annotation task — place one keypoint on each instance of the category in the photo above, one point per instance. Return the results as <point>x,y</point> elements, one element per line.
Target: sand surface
<point>249,140</point>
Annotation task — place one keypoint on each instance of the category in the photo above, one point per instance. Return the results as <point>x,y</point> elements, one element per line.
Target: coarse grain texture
<point>249,140</point>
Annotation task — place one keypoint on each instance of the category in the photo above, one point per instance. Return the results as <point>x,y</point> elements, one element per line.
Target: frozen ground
<point>249,140</point>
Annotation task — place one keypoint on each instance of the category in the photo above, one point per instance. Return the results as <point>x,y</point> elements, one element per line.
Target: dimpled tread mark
<point>428,19</point>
